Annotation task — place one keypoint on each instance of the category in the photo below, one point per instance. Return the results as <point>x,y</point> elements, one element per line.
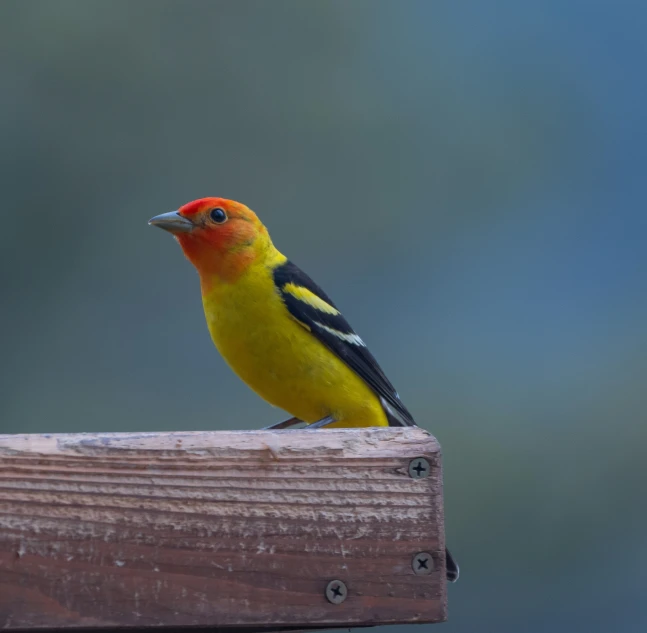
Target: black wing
<point>332,329</point>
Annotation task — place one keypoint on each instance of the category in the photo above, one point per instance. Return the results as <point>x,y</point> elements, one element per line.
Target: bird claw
<point>286,424</point>
<point>320,424</point>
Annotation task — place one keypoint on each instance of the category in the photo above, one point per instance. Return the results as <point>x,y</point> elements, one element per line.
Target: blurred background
<point>466,179</point>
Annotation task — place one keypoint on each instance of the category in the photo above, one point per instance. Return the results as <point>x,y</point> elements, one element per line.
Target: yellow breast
<point>279,358</point>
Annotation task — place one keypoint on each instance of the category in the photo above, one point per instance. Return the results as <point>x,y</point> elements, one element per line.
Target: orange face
<point>219,237</point>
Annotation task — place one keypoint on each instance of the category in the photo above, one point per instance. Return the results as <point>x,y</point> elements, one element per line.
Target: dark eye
<point>218,215</point>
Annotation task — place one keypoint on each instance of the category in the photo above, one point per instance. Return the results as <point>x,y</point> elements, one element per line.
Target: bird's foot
<point>320,424</point>
<point>286,424</point>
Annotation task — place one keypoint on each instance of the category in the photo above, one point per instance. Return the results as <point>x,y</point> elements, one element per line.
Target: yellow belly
<point>281,360</point>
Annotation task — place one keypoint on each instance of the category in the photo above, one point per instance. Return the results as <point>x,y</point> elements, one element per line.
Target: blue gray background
<point>466,179</point>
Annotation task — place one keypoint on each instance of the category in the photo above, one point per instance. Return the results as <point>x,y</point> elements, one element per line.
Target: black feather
<point>357,357</point>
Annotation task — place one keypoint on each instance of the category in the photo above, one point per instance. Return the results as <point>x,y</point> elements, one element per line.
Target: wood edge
<point>346,442</point>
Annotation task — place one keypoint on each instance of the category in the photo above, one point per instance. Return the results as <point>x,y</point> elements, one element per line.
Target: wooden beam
<point>227,529</point>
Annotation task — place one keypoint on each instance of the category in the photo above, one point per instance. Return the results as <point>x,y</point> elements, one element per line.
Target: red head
<point>221,238</point>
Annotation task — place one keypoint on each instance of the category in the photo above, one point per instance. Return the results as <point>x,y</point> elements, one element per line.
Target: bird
<point>277,329</point>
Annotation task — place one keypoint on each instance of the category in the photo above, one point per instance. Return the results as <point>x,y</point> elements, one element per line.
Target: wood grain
<point>218,529</point>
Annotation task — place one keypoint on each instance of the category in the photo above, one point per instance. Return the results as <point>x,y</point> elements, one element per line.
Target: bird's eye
<point>218,215</point>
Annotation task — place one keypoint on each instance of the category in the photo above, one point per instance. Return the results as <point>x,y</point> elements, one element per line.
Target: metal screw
<point>419,468</point>
<point>422,563</point>
<point>336,591</point>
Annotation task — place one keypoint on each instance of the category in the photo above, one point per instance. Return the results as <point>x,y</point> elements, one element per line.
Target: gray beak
<point>172,222</point>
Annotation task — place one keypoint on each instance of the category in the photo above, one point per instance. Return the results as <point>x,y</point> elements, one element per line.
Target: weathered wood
<point>225,529</point>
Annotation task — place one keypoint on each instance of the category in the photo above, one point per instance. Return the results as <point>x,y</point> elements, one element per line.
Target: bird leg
<point>320,424</point>
<point>286,424</point>
<point>292,422</point>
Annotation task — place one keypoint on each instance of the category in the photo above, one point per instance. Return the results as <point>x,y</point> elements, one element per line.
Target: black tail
<point>452,567</point>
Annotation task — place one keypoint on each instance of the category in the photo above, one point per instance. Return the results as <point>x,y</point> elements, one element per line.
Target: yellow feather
<point>305,295</point>
<point>278,357</point>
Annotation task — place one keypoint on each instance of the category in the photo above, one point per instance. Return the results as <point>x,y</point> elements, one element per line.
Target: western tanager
<point>277,329</point>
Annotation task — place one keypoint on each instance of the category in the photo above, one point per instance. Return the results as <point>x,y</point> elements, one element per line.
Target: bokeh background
<point>466,179</point>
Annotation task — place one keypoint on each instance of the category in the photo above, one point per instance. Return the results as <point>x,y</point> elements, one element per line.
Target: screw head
<point>336,591</point>
<point>422,563</point>
<point>419,468</point>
